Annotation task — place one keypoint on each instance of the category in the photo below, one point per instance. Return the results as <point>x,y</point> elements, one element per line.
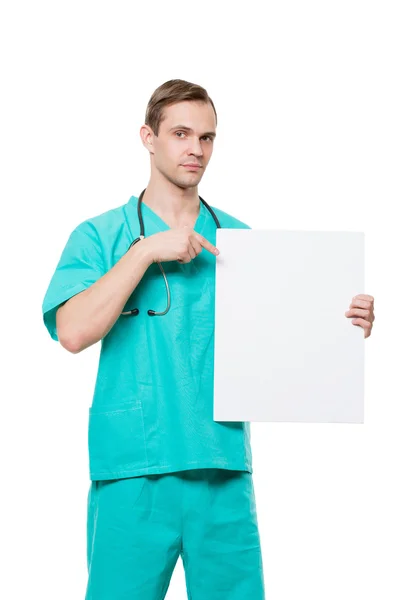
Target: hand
<point>182,244</point>
<point>362,306</point>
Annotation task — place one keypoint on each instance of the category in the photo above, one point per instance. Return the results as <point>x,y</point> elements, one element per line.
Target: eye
<point>204,136</point>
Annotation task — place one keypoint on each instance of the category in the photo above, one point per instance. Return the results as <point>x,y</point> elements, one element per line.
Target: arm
<point>88,316</point>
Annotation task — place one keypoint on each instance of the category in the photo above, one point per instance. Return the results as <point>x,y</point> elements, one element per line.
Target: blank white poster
<point>284,349</point>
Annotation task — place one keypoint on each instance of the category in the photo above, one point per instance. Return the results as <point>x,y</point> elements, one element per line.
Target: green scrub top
<point>152,409</point>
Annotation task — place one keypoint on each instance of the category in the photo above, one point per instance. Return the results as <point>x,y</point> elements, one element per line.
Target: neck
<point>172,203</point>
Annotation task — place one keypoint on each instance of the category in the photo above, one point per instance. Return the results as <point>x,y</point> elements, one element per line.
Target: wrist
<point>143,252</point>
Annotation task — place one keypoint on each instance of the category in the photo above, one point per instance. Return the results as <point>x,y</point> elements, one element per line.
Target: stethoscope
<point>153,313</point>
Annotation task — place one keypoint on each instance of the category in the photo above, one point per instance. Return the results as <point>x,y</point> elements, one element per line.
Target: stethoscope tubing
<point>152,313</point>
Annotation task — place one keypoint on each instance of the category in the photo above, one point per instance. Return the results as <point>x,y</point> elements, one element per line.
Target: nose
<point>195,147</point>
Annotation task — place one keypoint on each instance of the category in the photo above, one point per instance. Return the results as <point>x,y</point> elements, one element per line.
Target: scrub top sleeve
<point>81,264</point>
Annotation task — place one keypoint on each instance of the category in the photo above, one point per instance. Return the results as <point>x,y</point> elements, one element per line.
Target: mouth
<point>192,167</point>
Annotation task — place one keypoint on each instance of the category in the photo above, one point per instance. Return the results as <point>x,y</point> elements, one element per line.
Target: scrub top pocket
<point>116,440</point>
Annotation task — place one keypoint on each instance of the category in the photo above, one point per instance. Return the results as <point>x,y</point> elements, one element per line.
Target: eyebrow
<point>210,133</point>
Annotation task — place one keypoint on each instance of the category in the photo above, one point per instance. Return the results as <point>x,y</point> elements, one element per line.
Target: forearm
<point>88,316</point>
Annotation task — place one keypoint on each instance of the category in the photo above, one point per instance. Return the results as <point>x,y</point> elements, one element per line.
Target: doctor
<point>166,479</point>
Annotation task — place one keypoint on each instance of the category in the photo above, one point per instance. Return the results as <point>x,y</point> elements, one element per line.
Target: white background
<point>307,96</point>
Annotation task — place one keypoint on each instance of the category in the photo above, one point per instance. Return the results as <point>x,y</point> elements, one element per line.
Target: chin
<point>187,182</point>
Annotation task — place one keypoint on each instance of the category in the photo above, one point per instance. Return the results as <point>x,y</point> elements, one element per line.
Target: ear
<point>146,134</point>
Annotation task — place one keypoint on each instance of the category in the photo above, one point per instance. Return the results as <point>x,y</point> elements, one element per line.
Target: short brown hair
<point>171,92</point>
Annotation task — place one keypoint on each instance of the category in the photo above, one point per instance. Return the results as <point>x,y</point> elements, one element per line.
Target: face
<point>186,135</point>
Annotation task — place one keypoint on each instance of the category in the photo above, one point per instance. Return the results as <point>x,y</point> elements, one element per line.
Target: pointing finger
<point>207,245</point>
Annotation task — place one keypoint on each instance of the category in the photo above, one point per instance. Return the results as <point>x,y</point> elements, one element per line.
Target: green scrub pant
<point>138,527</point>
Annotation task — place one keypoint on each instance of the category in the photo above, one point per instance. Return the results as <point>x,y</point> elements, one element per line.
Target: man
<point>166,480</point>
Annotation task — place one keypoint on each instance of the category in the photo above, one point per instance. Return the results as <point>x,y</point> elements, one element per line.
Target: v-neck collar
<point>157,221</point>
